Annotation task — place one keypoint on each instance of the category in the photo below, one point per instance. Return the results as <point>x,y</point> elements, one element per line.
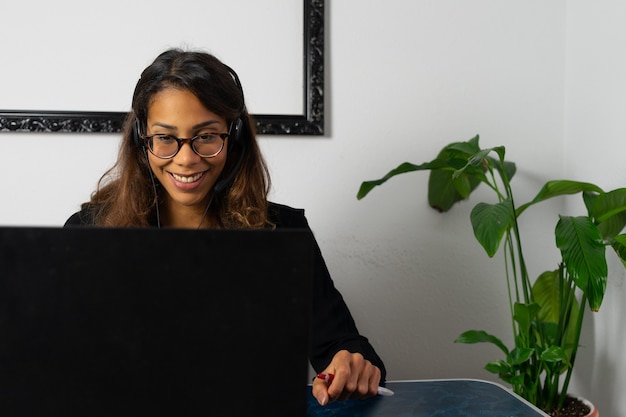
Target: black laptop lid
<point>129,322</point>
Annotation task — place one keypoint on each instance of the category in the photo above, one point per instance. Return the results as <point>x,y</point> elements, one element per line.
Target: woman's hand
<point>354,378</point>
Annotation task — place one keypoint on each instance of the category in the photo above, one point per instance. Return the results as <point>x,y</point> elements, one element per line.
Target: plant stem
<point>579,324</point>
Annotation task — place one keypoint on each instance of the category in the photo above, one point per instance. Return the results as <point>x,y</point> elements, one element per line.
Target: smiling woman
<point>188,96</point>
<point>286,97</point>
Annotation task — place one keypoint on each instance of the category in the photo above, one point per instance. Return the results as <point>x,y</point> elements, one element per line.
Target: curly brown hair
<point>126,195</point>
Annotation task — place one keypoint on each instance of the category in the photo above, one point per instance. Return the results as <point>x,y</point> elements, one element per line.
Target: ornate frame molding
<point>309,123</point>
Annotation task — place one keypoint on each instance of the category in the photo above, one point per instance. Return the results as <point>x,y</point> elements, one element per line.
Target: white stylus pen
<point>386,392</point>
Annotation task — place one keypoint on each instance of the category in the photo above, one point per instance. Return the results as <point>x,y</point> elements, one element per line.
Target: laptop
<point>154,322</point>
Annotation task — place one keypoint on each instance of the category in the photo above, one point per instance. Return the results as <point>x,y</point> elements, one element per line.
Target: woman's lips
<point>187,178</point>
<point>187,182</point>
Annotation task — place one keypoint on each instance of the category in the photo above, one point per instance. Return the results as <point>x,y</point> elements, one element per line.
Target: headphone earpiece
<point>137,135</point>
<point>235,133</point>
<point>235,128</point>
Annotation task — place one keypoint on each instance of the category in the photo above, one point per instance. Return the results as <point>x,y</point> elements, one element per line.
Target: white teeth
<point>185,179</point>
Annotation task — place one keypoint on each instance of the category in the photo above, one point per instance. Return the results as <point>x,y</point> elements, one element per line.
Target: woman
<point>189,159</point>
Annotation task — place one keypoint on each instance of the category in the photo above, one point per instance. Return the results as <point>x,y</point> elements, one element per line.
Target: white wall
<point>403,79</point>
<point>594,147</point>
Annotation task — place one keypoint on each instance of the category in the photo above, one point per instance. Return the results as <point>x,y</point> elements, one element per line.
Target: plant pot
<point>594,411</point>
<point>572,408</point>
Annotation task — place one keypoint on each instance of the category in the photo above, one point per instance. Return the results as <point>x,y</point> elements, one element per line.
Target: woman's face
<point>187,177</point>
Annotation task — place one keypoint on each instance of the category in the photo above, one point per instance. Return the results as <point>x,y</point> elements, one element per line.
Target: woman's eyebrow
<point>205,124</point>
<point>164,125</point>
<point>195,127</point>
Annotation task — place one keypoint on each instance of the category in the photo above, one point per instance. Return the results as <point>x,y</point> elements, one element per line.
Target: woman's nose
<point>186,155</point>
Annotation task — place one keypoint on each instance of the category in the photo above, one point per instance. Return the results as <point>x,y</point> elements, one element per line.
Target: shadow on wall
<point>599,377</point>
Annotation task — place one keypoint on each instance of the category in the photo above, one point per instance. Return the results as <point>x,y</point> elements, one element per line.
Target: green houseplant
<point>546,312</point>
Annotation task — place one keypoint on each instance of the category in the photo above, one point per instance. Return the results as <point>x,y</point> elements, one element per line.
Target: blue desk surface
<point>433,398</point>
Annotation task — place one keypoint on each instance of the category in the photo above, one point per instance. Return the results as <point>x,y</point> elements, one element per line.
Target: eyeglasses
<point>207,145</point>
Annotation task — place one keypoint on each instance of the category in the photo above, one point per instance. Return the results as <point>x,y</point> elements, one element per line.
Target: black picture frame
<point>311,122</point>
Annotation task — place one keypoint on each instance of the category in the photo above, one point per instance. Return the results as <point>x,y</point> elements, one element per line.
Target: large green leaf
<point>608,204</point>
<point>549,334</point>
<point>490,222</point>
<point>547,293</point>
<point>554,354</point>
<point>480,336</point>
<point>525,315</point>
<point>619,245</point>
<point>584,255</point>
<point>451,179</point>
<point>608,210</point>
<point>458,151</point>
<point>445,189</point>
<point>558,188</point>
<point>519,356</point>
<point>468,147</point>
<point>612,226</point>
<point>403,168</point>
<point>499,367</point>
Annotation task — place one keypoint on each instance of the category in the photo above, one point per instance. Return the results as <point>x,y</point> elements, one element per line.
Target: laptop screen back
<point>128,322</point>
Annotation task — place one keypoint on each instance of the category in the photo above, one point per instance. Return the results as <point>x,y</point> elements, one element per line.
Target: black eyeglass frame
<point>181,142</point>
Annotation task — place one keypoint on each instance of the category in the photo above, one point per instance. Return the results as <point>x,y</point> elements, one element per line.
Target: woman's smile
<point>187,179</point>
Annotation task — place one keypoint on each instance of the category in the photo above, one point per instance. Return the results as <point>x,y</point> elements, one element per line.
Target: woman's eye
<point>207,137</point>
<point>165,138</point>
